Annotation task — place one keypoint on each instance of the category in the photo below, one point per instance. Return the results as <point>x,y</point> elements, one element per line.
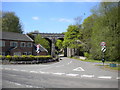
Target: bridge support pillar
<point>53,48</point>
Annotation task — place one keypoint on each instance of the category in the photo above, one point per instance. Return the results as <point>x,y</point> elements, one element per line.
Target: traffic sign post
<point>103,49</point>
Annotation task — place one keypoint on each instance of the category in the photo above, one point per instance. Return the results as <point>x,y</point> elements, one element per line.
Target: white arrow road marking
<point>72,75</point>
<point>78,69</point>
<point>89,76</point>
<point>58,73</point>
<point>105,77</point>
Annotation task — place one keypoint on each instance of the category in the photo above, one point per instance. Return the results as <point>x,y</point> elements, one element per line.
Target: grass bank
<point>103,66</point>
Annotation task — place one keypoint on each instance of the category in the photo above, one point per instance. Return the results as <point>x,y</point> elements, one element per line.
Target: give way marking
<point>78,69</point>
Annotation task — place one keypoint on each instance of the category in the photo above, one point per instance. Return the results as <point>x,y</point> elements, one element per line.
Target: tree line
<point>101,26</point>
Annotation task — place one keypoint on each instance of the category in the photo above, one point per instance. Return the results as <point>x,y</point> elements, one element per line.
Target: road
<point>67,73</point>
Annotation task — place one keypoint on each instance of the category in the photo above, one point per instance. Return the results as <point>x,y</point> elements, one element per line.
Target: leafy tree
<point>87,32</point>
<point>72,38</point>
<point>59,44</point>
<point>43,42</point>
<point>11,23</point>
<point>105,28</point>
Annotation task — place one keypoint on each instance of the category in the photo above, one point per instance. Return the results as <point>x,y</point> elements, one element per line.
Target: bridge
<point>52,37</point>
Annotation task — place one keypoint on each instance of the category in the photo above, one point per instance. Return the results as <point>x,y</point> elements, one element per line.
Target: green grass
<point>105,66</point>
<point>96,61</point>
<point>110,68</point>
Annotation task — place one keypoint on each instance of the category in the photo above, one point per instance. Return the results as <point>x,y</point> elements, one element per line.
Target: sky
<point>48,17</point>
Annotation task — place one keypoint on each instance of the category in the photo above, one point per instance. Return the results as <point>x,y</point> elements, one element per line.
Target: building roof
<point>15,36</point>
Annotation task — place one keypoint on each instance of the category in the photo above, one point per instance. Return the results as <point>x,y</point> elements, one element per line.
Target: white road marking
<point>69,62</point>
<point>105,77</point>
<point>89,76</point>
<point>7,68</point>
<point>58,73</point>
<point>34,72</point>
<point>15,69</point>
<point>44,72</point>
<point>118,78</point>
<point>72,75</point>
<point>29,86</point>
<point>78,69</point>
<point>23,70</point>
<point>17,84</point>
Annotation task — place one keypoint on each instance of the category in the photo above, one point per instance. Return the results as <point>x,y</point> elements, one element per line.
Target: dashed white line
<point>72,74</point>
<point>118,78</point>
<point>15,69</point>
<point>44,72</point>
<point>89,76</point>
<point>23,70</point>
<point>104,77</point>
<point>34,72</point>
<point>58,73</point>
<point>69,62</point>
<point>7,68</point>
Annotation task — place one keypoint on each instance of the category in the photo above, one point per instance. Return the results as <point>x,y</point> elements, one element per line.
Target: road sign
<point>103,49</point>
<point>38,47</point>
<point>103,44</point>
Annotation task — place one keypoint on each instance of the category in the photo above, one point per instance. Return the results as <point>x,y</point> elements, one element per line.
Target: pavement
<point>67,73</point>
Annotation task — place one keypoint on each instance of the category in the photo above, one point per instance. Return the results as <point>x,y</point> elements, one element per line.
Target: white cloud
<point>62,20</point>
<point>65,20</point>
<point>35,18</point>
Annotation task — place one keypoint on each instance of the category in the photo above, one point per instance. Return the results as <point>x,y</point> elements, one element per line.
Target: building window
<point>13,44</point>
<point>25,53</point>
<point>17,53</point>
<point>2,53</point>
<point>2,43</point>
<point>29,53</point>
<point>29,44</point>
<point>22,44</point>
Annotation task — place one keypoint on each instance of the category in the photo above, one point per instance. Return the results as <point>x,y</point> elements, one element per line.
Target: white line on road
<point>34,72</point>
<point>78,69</point>
<point>72,75</point>
<point>15,69</point>
<point>7,68</point>
<point>89,76</point>
<point>118,78</point>
<point>69,62</point>
<point>23,70</point>
<point>44,72</point>
<point>105,77</point>
<point>58,73</point>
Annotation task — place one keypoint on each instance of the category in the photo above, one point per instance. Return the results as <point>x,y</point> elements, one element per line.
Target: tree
<point>43,42</point>
<point>11,23</point>
<point>106,29</point>
<point>72,38</point>
<point>59,44</point>
<point>87,32</point>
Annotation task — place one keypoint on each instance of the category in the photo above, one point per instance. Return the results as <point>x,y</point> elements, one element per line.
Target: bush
<point>86,54</point>
<point>8,57</point>
<point>26,58</point>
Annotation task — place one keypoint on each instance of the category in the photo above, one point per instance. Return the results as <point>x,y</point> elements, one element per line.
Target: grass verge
<point>103,66</point>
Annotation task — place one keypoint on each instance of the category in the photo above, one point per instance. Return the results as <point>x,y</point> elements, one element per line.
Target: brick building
<point>17,44</point>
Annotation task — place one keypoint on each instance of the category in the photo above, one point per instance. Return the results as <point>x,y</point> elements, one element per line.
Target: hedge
<point>25,58</point>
